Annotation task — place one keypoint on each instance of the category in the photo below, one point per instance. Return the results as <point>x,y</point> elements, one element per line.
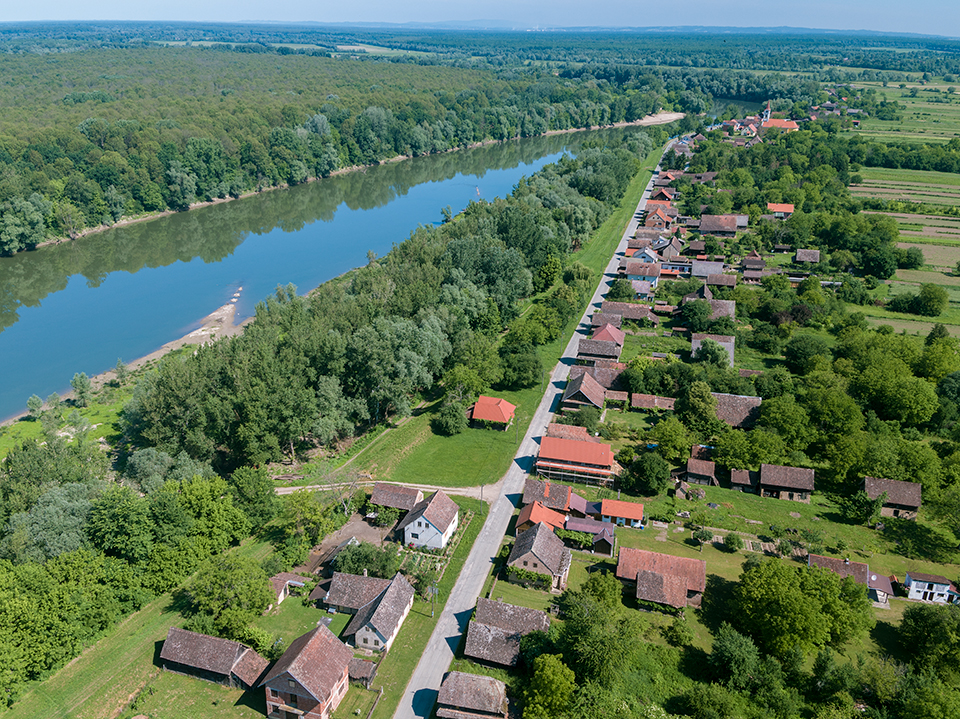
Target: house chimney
<point>364,572</point>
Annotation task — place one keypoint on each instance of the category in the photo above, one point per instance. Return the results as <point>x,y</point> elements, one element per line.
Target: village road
<point>421,692</point>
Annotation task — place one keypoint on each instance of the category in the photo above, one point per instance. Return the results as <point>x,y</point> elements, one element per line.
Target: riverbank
<point>218,324</point>
<point>660,118</point>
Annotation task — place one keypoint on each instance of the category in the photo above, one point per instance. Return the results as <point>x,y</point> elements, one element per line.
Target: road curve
<point>421,692</point>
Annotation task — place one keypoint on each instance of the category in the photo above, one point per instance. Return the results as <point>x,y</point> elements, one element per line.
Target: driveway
<point>421,692</point>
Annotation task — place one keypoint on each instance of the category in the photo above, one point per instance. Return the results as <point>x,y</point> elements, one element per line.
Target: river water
<point>123,293</point>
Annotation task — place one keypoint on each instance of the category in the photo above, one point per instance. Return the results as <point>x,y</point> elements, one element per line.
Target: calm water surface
<point>79,306</point>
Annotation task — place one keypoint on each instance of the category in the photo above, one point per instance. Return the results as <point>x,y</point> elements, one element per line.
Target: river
<point>125,292</point>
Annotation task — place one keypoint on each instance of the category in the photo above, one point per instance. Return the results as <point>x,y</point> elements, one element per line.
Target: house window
<point>534,565</point>
<point>365,641</point>
<point>419,523</point>
<point>524,564</point>
<point>274,693</point>
<point>376,642</point>
<point>292,684</point>
<point>930,587</point>
<point>414,535</point>
<point>292,701</point>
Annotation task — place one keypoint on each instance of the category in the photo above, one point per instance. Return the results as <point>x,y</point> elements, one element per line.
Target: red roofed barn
<point>493,410</point>
<point>567,459</point>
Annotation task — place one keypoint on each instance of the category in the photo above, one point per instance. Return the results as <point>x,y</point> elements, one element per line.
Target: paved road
<point>421,692</point>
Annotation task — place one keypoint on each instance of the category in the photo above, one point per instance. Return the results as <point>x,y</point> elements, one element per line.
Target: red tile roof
<point>535,513</point>
<point>779,207</point>
<point>609,333</point>
<point>493,409</point>
<point>620,508</point>
<point>571,451</point>
<point>778,124</point>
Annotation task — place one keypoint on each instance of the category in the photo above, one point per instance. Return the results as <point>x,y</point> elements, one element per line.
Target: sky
<point>936,17</point>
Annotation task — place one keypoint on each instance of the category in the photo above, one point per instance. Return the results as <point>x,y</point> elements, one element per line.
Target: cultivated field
<point>932,116</point>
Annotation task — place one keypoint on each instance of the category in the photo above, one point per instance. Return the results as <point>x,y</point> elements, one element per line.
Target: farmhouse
<point>721,280</point>
<point>396,496</point>
<point>644,271</point>
<point>348,593</point>
<point>621,513</point>
<point>702,471</point>
<point>216,660</point>
<point>494,633</point>
<point>737,410</point>
<point>431,523</point>
<point>375,624</point>
<point>566,459</point>
<point>598,319</point>
<point>808,256</point>
<point>606,373</point>
<point>721,225</point>
<point>492,411</point>
<point>539,550</point>
<point>930,588</point>
<point>903,498</point>
<point>471,696</point>
<point>662,578</point>
<point>793,483</point>
<point>535,513</point>
<point>780,210</point>
<point>558,497</point>
<point>724,341</point>
<point>593,351</point>
<point>630,311</point>
<point>311,677</point>
<point>778,124</point>
<point>703,292</point>
<point>701,269</point>
<point>609,333</point>
<point>583,390</point>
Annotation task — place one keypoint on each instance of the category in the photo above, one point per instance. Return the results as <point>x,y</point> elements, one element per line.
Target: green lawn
<point>357,703</point>
<point>174,696</point>
<point>292,619</point>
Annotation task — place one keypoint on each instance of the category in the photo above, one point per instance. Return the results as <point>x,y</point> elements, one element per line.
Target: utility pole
<point>433,598</point>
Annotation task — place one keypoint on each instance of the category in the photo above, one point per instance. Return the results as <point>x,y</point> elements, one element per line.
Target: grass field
<point>932,116</point>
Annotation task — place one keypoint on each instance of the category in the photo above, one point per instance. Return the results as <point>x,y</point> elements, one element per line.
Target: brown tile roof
<point>384,613</point>
<point>549,494</point>
<point>737,410</point>
<point>651,401</point>
<point>723,308</point>
<point>722,280</point>
<point>473,693</point>
<point>568,450</point>
<point>629,311</point>
<point>494,634</point>
<point>565,431</point>
<point>844,568</point>
<point>749,372</point>
<point>540,541</point>
<point>317,661</point>
<point>616,396</point>
<point>807,256</point>
<point>621,508</point>
<point>754,264</point>
<point>201,651</point>
<point>718,223</point>
<point>638,243</point>
<point>354,591</point>
<point>439,510</point>
<point>678,574</point>
<point>607,377</point>
<point>279,581</point>
<point>643,269</point>
<point>535,513</point>
<point>598,319</point>
<point>703,268</point>
<point>250,667</point>
<point>702,467</point>
<point>775,475</point>
<point>361,670</point>
<point>744,478</point>
<point>701,293</point>
<point>394,495</point>
<point>699,451</point>
<point>587,387</point>
<point>492,409</point>
<point>906,494</point>
<point>599,348</point>
<point>578,503</point>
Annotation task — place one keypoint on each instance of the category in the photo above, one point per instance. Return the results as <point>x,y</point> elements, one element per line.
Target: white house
<point>930,588</point>
<point>431,522</point>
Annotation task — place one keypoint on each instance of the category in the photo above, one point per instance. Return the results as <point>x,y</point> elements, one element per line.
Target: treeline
<point>103,134</point>
<point>312,370</point>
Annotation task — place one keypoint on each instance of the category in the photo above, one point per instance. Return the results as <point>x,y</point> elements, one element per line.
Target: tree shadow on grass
<point>919,541</point>
<point>716,607</point>
<point>886,637</point>
<point>694,664</point>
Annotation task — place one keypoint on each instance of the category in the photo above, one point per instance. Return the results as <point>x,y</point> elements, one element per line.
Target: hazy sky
<point>940,17</point>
